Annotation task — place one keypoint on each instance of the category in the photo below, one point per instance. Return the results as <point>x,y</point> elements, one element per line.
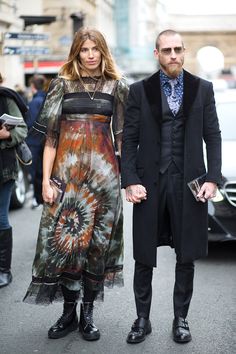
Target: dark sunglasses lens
<point>178,50</point>
<point>167,51</point>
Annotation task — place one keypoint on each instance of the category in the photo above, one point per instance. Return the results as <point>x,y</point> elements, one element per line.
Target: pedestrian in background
<point>21,92</point>
<point>168,116</point>
<point>80,242</point>
<point>9,103</point>
<point>37,86</point>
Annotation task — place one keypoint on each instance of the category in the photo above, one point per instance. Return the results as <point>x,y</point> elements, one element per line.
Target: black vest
<point>172,137</point>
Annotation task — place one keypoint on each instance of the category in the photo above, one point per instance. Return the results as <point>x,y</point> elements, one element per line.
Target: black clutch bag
<point>23,153</point>
<point>196,184</point>
<point>59,188</point>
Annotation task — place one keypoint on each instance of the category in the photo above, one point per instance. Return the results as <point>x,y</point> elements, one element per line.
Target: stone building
<point>11,66</point>
<point>56,21</point>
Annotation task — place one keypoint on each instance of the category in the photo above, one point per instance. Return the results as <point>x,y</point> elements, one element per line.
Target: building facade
<point>130,27</point>
<point>11,66</point>
<point>137,25</point>
<point>50,26</point>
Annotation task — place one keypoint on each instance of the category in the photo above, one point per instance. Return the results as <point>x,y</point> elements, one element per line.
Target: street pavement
<point>212,315</point>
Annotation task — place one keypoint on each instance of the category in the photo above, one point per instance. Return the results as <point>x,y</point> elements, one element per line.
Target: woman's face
<point>90,57</point>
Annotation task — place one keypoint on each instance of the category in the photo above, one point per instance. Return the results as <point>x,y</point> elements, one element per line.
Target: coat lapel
<point>191,84</point>
<point>152,90</point>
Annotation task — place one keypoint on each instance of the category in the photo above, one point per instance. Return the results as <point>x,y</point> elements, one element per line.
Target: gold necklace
<point>87,91</point>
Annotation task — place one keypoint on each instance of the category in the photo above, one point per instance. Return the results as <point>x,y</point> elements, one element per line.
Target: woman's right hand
<point>47,193</point>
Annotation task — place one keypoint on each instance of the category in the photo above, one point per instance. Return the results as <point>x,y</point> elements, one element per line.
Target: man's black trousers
<point>169,216</point>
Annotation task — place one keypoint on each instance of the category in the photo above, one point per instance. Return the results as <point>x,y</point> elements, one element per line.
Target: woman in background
<point>80,242</point>
<point>10,103</point>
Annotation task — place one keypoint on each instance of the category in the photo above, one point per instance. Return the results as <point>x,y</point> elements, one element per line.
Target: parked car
<point>20,189</point>
<point>222,209</point>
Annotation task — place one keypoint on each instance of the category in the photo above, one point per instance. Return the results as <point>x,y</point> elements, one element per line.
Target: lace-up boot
<point>67,323</point>
<point>87,328</point>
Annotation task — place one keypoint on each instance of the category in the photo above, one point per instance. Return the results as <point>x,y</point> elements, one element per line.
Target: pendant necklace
<point>91,96</point>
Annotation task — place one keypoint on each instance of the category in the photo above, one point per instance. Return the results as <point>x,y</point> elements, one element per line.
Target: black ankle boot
<point>5,257</point>
<point>67,323</point>
<point>87,328</point>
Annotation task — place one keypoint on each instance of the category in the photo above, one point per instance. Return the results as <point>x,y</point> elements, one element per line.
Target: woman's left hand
<point>47,193</point>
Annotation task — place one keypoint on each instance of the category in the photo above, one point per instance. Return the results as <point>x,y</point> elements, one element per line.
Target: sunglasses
<point>168,51</point>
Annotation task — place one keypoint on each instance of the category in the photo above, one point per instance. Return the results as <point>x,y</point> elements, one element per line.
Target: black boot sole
<point>56,335</point>
<point>87,336</point>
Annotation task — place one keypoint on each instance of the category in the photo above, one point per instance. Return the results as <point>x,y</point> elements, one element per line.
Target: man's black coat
<point>141,158</point>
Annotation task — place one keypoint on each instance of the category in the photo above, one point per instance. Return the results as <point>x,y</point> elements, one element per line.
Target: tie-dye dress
<point>81,239</point>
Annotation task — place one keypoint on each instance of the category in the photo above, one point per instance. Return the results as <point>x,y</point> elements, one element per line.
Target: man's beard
<point>172,70</point>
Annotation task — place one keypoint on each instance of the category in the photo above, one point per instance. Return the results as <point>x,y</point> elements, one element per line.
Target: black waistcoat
<point>172,137</point>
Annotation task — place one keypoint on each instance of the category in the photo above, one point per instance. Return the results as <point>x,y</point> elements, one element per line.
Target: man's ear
<point>156,53</point>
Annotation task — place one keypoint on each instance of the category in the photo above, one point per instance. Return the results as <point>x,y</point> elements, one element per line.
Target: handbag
<point>196,184</point>
<point>59,188</point>
<point>23,153</point>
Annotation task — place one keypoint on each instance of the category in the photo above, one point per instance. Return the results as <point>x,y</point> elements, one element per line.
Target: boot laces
<point>65,314</point>
<point>88,313</point>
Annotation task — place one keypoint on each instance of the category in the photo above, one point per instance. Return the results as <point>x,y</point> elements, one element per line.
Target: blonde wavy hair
<point>72,69</point>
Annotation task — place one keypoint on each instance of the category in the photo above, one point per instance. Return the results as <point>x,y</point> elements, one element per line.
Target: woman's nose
<point>90,53</point>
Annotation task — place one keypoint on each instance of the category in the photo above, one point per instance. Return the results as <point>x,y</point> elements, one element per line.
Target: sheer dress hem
<point>44,291</point>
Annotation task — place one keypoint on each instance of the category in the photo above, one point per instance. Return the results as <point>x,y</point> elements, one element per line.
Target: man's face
<point>170,54</point>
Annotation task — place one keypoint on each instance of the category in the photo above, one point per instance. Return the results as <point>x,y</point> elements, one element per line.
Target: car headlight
<point>219,196</point>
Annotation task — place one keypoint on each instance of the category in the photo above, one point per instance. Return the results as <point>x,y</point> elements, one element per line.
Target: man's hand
<point>207,191</point>
<point>135,193</point>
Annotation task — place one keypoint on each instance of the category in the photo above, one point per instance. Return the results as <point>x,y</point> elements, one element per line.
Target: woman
<point>9,138</point>
<point>80,244</point>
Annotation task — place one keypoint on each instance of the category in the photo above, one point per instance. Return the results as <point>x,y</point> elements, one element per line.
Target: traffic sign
<point>27,36</point>
<point>25,50</point>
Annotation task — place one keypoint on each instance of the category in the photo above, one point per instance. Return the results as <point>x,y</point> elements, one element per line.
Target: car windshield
<point>227,118</point>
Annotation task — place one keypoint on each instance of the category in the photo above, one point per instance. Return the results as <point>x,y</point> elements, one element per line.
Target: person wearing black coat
<point>12,104</point>
<point>37,85</point>
<point>162,151</point>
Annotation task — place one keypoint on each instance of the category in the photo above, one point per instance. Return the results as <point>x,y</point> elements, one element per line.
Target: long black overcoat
<point>141,158</point>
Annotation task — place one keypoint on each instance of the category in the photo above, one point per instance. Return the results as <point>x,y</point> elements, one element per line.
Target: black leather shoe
<point>180,330</point>
<point>67,323</point>
<point>87,327</point>
<point>140,328</point>
<point>5,278</point>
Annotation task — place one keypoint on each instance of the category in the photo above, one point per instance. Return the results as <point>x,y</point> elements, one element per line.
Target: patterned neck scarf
<point>173,89</point>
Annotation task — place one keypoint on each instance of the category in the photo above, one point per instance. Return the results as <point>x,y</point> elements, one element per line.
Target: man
<point>37,85</point>
<point>168,116</point>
